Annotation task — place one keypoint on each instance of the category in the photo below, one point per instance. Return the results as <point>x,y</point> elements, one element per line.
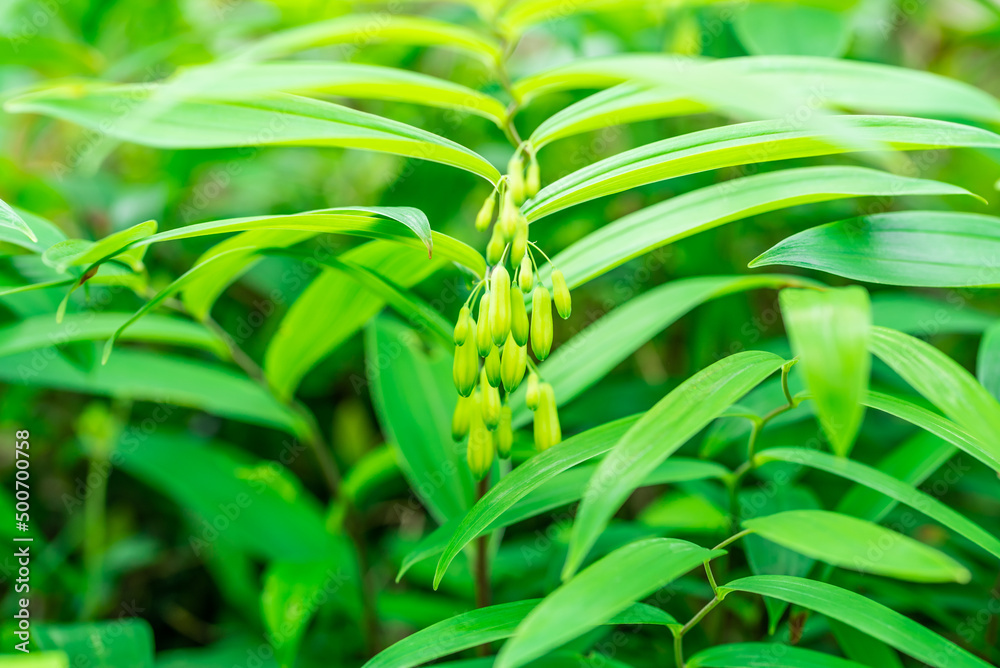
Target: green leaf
<point>768,28</point>
<point>920,314</point>
<point>845,84</point>
<point>335,307</point>
<point>373,28</point>
<point>664,428</point>
<point>161,120</point>
<point>418,424</point>
<point>10,219</point>
<point>883,483</point>
<point>236,80</point>
<point>594,596</point>
<point>527,477</point>
<point>985,450</point>
<point>120,643</point>
<point>165,379</point>
<point>988,361</point>
<point>485,625</point>
<point>742,143</point>
<point>255,505</point>
<point>829,332</point>
<point>604,344</point>
<point>776,655</point>
<point>862,613</point>
<point>941,381</point>
<point>44,233</point>
<point>43,331</point>
<point>556,490</point>
<point>82,253</point>
<point>864,648</point>
<point>849,542</point>
<point>913,248</point>
<point>38,659</point>
<point>706,208</point>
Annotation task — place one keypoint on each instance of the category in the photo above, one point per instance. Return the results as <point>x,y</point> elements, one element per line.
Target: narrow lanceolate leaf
<point>167,121</point>
<point>44,233</point>
<point>859,86</point>
<point>371,29</point>
<point>919,248</point>
<point>743,654</point>
<point>83,253</point>
<point>486,625</point>
<point>554,492</point>
<point>527,477</point>
<point>604,589</point>
<point>43,331</point>
<point>706,208</point>
<point>941,380</point>
<point>857,544</point>
<point>887,485</point>
<point>9,218</point>
<point>585,359</point>
<point>418,424</point>
<point>862,613</point>
<point>667,426</point>
<point>988,361</point>
<point>236,80</point>
<point>754,142</point>
<point>829,332</point>
<point>985,450</point>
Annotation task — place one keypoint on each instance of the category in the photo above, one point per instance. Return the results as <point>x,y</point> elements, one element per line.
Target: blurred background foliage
<point>125,544</point>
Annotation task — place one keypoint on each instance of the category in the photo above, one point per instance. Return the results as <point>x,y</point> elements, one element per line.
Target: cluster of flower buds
<point>501,331</point>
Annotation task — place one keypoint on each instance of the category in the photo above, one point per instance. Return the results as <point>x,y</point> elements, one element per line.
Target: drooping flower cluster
<point>501,331</point>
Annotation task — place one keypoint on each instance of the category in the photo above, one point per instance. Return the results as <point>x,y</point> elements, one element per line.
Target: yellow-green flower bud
<point>541,322</point>
<point>500,304</point>
<point>513,364</point>
<point>485,215</point>
<point>492,366</point>
<point>534,179</point>
<point>484,340</point>
<point>465,368</point>
<point>519,245</point>
<point>490,405</point>
<point>560,292</point>
<point>495,246</point>
<point>462,417</point>
<point>547,429</point>
<point>519,326</point>
<point>509,213</point>
<point>515,178</point>
<point>526,277</point>
<point>462,326</point>
<point>531,397</point>
<point>505,434</point>
<point>479,451</point>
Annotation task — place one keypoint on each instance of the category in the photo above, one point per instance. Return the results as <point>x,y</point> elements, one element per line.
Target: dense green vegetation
<point>501,333</point>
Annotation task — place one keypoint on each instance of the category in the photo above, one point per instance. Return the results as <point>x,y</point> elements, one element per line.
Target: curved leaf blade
<point>776,655</point>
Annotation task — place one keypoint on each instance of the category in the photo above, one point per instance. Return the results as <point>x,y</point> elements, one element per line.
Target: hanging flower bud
<point>513,364</point>
<point>494,249</point>
<point>560,292</point>
<point>484,340</point>
<point>492,366</point>
<point>462,327</point>
<point>505,433</point>
<point>465,368</point>
<point>485,215</point>
<point>479,451</point>
<point>541,322</point>
<point>519,245</point>
<point>490,404</point>
<point>534,180</point>
<point>525,277</point>
<point>518,316</point>
<point>531,397</point>
<point>509,213</point>
<point>515,178</point>
<point>500,304</point>
<point>547,429</point>
<point>462,417</point>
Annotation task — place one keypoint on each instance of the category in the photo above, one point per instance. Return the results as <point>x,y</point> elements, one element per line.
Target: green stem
<point>94,540</point>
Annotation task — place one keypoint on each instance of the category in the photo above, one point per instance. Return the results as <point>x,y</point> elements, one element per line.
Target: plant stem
<point>483,594</point>
<point>94,527</point>
<point>732,539</point>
